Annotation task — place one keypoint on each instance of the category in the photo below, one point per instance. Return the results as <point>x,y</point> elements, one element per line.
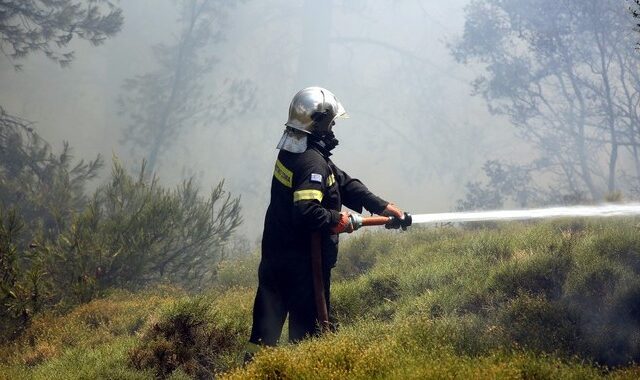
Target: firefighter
<point>307,194</point>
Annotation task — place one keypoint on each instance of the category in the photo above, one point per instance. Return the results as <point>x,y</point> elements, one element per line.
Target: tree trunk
<point>163,120</point>
<point>610,113</point>
<point>585,170</point>
<point>631,110</point>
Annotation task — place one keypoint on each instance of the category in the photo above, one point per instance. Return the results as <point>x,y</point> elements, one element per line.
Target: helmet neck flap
<point>293,141</point>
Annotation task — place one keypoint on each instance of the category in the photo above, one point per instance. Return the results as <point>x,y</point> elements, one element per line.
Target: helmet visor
<point>341,112</point>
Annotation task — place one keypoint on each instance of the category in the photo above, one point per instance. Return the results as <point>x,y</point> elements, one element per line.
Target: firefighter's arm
<point>308,193</point>
<point>355,194</point>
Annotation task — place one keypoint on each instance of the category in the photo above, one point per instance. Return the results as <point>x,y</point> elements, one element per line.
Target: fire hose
<point>390,222</point>
<point>356,222</point>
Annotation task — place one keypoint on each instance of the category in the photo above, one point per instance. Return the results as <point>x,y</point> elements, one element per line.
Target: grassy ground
<point>545,300</point>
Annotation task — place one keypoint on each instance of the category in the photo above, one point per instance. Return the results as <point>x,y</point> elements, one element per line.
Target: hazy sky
<point>415,136</point>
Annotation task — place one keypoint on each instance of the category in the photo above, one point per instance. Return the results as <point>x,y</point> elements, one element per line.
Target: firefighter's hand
<point>344,224</point>
<point>393,210</point>
<point>397,217</point>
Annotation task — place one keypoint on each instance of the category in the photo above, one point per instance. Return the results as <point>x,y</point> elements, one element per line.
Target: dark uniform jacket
<point>307,193</point>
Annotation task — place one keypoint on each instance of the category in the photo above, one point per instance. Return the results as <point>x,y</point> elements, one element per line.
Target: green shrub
<point>534,322</point>
<point>188,336</point>
<point>372,295</point>
<point>63,245</point>
<point>610,325</point>
<point>593,277</point>
<point>45,188</point>
<point>134,232</point>
<point>412,349</point>
<point>538,273</point>
<point>619,244</point>
<point>106,361</point>
<point>48,336</point>
<point>492,246</point>
<point>359,253</point>
<point>462,335</point>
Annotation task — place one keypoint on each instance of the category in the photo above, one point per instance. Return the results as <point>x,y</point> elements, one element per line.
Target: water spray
<point>601,211</point>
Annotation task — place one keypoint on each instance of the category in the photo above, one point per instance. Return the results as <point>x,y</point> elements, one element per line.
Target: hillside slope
<point>516,300</point>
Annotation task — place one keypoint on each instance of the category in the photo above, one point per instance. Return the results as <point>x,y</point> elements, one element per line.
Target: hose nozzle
<point>395,222</point>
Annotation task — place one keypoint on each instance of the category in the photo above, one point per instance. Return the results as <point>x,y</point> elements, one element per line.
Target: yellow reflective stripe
<point>307,195</point>
<point>331,180</point>
<point>282,174</point>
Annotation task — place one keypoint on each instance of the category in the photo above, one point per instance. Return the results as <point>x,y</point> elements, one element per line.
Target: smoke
<point>416,135</point>
<point>388,63</point>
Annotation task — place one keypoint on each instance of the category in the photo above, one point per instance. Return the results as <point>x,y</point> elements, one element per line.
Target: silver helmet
<point>310,105</point>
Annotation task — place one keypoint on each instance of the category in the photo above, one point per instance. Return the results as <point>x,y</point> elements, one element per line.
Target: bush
<point>542,273</point>
<point>534,322</point>
<point>357,255</point>
<point>40,191</point>
<point>44,188</point>
<point>134,231</point>
<point>48,336</point>
<point>189,337</point>
<point>61,245</point>
<point>371,295</point>
<point>561,286</point>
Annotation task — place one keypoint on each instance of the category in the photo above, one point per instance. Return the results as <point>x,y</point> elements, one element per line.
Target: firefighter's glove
<point>347,223</point>
<point>397,217</point>
<point>344,224</point>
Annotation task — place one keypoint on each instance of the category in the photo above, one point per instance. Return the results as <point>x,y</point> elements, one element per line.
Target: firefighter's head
<point>312,114</point>
<point>313,110</point>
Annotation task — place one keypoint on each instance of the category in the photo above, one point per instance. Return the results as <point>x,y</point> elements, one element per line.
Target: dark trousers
<point>286,287</point>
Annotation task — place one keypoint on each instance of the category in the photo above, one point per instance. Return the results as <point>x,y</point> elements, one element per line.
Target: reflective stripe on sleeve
<point>282,174</point>
<point>307,195</point>
<point>331,180</point>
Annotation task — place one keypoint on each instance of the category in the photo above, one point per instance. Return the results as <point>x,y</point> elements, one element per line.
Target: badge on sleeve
<point>315,177</point>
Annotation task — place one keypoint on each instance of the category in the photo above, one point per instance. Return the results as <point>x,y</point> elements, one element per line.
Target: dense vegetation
<point>545,300</point>
<point>62,244</point>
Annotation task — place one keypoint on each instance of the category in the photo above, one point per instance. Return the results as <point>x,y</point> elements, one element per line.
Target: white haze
<point>415,136</point>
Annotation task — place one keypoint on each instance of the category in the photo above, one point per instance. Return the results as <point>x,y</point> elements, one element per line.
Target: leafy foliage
<point>45,188</point>
<point>121,314</point>
<point>48,26</point>
<point>58,246</point>
<point>561,287</point>
<point>565,74</point>
<point>506,183</point>
<point>134,231</point>
<point>40,192</point>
